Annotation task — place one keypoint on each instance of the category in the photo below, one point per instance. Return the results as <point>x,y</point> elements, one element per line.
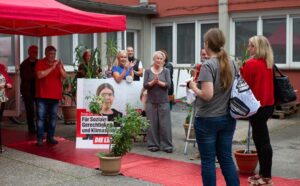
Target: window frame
<point>289,15</point>
<point>198,21</point>
<point>175,46</point>
<point>290,33</point>
<point>135,42</point>
<point>154,39</point>
<point>198,38</point>
<point>287,57</point>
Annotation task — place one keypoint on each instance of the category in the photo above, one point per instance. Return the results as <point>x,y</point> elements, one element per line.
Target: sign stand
<point>191,124</point>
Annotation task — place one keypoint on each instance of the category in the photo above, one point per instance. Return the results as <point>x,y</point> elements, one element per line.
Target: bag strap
<point>277,70</point>
<point>235,70</point>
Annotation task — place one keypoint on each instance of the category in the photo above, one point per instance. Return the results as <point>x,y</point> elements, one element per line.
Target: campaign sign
<point>93,131</point>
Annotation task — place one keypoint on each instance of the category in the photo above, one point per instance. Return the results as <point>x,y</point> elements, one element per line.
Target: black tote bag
<point>283,89</point>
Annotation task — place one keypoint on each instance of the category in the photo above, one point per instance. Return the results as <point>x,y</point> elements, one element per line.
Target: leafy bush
<point>132,124</point>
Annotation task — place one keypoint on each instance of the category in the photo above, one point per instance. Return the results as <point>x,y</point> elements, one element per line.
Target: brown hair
<point>166,54</point>
<point>215,41</point>
<point>103,86</point>
<point>85,53</point>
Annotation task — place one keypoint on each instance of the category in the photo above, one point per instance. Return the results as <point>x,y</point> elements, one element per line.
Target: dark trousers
<point>29,103</point>
<point>261,138</point>
<point>2,106</point>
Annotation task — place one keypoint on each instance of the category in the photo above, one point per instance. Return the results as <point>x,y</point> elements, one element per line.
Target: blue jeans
<point>214,138</point>
<point>46,112</point>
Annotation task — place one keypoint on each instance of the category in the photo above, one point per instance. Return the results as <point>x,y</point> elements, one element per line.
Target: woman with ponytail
<point>213,124</point>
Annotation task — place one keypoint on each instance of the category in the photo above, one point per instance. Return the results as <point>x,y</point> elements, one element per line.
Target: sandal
<point>253,179</point>
<point>263,182</point>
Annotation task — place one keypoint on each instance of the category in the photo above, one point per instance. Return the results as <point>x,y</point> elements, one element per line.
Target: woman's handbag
<point>283,89</point>
<point>242,103</point>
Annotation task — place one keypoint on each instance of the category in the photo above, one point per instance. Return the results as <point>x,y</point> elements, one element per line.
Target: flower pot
<point>110,166</point>
<point>246,162</point>
<point>186,128</point>
<point>69,114</point>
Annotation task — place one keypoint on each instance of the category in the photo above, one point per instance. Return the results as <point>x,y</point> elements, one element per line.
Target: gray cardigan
<point>156,93</point>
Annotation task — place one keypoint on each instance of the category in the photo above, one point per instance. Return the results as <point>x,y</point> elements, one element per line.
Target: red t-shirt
<point>260,80</point>
<point>50,86</point>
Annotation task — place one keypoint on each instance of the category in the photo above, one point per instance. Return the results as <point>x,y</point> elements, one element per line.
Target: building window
<point>243,31</point>
<point>204,28</point>
<point>28,41</point>
<point>275,31</point>
<point>86,40</point>
<point>112,36</point>
<point>130,39</point>
<point>296,40</point>
<point>186,43</point>
<point>163,39</point>
<point>65,49</point>
<point>7,56</point>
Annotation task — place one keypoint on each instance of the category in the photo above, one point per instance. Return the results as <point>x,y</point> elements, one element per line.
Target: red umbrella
<point>48,18</point>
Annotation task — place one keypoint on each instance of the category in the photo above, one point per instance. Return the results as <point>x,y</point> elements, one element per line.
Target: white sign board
<point>91,128</point>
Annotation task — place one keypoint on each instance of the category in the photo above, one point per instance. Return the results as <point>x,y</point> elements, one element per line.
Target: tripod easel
<point>191,124</point>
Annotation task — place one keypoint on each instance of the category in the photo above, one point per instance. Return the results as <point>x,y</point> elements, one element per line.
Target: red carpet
<point>156,170</point>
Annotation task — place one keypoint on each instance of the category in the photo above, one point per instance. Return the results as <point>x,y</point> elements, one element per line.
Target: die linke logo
<point>101,139</point>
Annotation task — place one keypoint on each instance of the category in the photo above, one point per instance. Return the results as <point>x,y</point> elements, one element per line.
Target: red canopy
<point>48,18</point>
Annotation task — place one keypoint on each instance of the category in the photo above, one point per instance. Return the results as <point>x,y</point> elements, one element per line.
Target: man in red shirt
<point>49,74</point>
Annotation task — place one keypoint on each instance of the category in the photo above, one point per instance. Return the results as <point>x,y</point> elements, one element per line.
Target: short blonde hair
<point>156,53</point>
<point>263,49</point>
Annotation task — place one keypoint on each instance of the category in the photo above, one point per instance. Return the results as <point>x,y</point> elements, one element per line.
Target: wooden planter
<point>110,166</point>
<point>246,162</point>
<point>69,114</point>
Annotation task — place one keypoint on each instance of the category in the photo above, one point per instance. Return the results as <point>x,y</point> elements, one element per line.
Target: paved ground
<point>19,168</point>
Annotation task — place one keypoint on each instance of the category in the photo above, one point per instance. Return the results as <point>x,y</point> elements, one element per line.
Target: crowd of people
<point>41,85</point>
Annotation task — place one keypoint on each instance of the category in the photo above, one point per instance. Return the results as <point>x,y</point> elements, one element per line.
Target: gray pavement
<point>20,168</point>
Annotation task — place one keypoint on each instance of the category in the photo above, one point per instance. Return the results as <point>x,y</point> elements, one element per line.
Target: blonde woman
<point>214,126</point>
<point>157,82</point>
<point>122,68</point>
<point>258,73</point>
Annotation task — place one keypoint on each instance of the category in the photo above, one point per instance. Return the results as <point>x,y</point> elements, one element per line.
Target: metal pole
<point>2,105</point>
<point>191,124</point>
<point>248,139</point>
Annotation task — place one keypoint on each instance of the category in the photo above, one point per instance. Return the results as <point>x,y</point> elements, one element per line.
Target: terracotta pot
<point>110,166</point>
<point>246,162</point>
<point>69,114</point>
<point>186,128</point>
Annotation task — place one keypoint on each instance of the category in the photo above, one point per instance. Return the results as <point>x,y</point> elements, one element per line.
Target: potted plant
<point>121,140</point>
<point>93,67</point>
<point>246,159</point>
<point>111,53</point>
<point>68,105</point>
